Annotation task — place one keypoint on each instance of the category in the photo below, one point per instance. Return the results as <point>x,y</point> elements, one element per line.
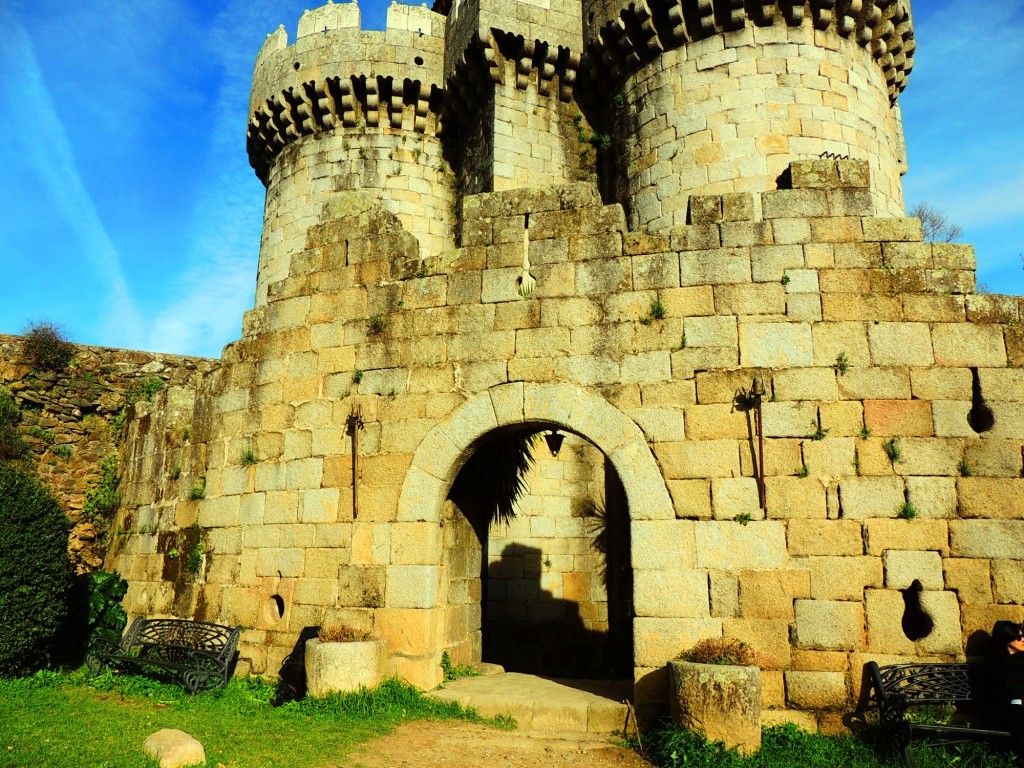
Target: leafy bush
<point>47,347</point>
<point>104,593</point>
<point>35,571</point>
<point>12,446</point>
<point>94,608</point>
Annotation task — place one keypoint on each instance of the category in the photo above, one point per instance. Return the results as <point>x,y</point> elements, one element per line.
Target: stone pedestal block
<point>722,703</point>
<point>343,667</point>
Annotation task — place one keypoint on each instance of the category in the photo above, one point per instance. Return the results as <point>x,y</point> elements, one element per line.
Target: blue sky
<point>131,217</point>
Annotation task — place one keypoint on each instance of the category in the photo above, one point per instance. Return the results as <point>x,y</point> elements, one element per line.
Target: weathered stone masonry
<point>724,249</point>
<point>68,420</point>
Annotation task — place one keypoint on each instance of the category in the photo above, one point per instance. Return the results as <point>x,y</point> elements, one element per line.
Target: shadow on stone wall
<point>530,630</point>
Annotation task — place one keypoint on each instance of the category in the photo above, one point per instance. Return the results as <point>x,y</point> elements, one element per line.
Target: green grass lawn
<point>75,720</point>
<point>787,746</point>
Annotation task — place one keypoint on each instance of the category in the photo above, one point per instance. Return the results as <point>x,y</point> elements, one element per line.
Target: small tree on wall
<point>46,346</point>
<point>935,225</point>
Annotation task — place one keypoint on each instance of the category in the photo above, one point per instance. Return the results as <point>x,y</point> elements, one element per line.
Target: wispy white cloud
<point>33,122</point>
<point>219,282</point>
<point>122,50</point>
<point>996,199</point>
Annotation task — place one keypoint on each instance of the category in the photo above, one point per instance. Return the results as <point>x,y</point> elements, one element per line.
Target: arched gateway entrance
<point>479,566</point>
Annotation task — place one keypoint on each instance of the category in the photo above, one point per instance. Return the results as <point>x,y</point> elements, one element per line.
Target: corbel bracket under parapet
<point>470,81</point>
<point>484,63</point>
<point>644,29</point>
<point>548,61</point>
<point>323,105</point>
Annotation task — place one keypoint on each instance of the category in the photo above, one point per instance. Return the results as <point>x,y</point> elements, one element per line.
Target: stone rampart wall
<point>879,365</point>
<point>69,421</point>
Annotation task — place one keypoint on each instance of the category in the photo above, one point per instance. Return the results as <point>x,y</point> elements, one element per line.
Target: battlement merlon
<point>622,35</point>
<point>554,23</point>
<point>334,70</point>
<point>335,16</point>
<point>331,43</point>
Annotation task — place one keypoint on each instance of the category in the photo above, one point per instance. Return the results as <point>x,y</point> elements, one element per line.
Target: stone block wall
<point>536,138</point>
<point>70,422</point>
<point>558,518</point>
<point>547,593</point>
<point>730,113</point>
<point>461,586</point>
<point>876,360</point>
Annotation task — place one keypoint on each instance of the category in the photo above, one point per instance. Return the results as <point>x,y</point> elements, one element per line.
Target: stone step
<point>547,705</point>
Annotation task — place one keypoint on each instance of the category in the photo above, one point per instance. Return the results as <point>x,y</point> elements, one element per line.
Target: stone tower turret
<point>717,97</point>
<point>343,110</point>
<point>509,69</point>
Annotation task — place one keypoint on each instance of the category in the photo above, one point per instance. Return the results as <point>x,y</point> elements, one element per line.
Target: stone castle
<point>671,232</point>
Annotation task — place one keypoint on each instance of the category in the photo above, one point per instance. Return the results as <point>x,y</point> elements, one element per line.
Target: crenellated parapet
<point>504,58</point>
<point>620,37</point>
<point>337,75</point>
<point>510,73</point>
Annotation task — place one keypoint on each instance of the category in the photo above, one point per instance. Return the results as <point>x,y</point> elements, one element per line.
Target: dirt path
<point>464,745</point>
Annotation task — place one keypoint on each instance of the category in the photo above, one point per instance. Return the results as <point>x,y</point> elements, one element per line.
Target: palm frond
<point>494,478</point>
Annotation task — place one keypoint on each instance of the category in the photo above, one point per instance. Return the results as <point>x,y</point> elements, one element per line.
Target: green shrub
<point>146,389</point>
<point>12,445</point>
<point>35,571</point>
<point>94,608</point>
<point>101,498</point>
<point>47,347</point>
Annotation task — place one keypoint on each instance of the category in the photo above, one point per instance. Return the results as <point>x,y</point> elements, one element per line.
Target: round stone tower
<point>719,96</point>
<point>345,110</point>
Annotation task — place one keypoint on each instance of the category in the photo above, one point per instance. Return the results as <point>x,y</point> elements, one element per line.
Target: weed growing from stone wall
<point>47,347</point>
<point>893,450</point>
<point>248,457</point>
<point>102,498</point>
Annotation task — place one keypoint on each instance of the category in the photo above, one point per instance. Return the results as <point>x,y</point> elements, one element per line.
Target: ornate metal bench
<point>197,652</point>
<point>898,688</point>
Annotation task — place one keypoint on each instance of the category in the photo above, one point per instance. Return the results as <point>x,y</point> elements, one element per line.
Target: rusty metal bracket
<point>355,423</point>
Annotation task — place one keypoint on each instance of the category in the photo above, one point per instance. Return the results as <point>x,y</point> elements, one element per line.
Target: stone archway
<point>449,445</point>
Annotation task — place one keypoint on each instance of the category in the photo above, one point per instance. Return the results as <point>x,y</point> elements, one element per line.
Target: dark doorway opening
<point>546,590</point>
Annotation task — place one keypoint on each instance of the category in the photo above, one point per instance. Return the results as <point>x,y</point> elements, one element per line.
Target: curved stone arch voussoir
<point>448,446</point>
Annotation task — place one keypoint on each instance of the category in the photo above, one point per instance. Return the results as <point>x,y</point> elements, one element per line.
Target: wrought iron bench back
<point>215,639</point>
